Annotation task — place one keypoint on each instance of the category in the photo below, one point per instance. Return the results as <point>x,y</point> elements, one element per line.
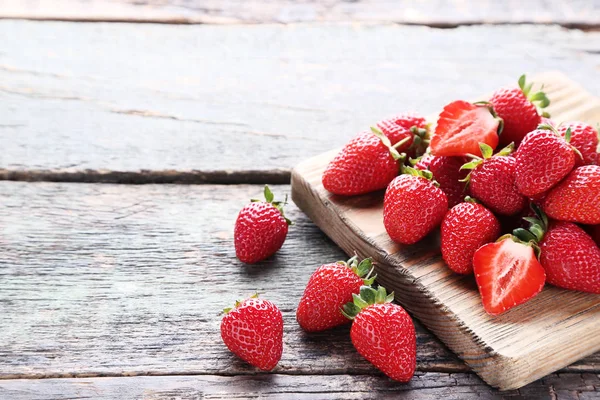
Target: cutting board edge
<point>498,370</point>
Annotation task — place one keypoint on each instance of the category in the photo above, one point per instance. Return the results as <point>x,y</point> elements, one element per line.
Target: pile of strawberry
<point>517,198</point>
<point>488,167</point>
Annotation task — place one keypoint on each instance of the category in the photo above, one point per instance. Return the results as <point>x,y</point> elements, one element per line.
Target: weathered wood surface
<point>429,386</point>
<point>109,280</point>
<point>429,12</point>
<point>126,280</point>
<point>162,103</point>
<point>552,330</point>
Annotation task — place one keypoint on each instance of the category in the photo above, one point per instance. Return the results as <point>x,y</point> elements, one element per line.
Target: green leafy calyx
<point>392,148</point>
<point>537,229</point>
<point>363,269</point>
<point>539,99</point>
<point>279,205</point>
<point>368,296</point>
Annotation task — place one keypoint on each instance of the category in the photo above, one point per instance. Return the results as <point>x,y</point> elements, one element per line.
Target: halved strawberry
<point>462,126</point>
<point>508,273</point>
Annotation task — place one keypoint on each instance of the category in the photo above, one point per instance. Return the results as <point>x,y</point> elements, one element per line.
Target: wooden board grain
<point>444,13</point>
<point>424,386</point>
<point>173,102</point>
<point>554,329</point>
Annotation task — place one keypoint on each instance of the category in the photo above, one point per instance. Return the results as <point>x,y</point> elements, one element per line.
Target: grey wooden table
<point>112,290</point>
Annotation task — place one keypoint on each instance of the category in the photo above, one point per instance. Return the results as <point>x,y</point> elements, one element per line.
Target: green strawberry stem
<point>538,98</point>
<point>368,296</point>
<point>487,152</point>
<point>364,269</point>
<point>386,141</point>
<point>269,197</point>
<point>535,234</point>
<point>469,199</point>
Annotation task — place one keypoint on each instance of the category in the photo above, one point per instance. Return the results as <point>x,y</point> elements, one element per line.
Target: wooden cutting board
<point>555,329</point>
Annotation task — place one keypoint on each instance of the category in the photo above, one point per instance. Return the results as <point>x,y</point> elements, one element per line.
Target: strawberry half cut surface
<point>508,273</point>
<point>462,126</point>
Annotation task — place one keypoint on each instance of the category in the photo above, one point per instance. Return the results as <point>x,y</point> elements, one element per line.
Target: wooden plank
<point>133,103</point>
<point>427,12</point>
<point>430,385</point>
<point>127,280</point>
<point>508,351</point>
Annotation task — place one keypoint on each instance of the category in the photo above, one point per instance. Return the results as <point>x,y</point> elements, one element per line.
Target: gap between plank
<point>184,21</point>
<point>222,177</point>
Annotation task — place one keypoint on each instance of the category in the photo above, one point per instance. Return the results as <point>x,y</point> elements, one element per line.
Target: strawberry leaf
<point>358,301</point>
<point>522,80</point>
<point>268,194</point>
<point>486,150</point>
<point>367,294</point>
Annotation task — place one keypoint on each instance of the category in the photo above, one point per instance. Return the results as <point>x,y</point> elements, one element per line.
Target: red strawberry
<point>396,133</point>
<point>412,207</point>
<point>367,163</point>
<point>419,129</point>
<point>253,331</point>
<point>446,171</point>
<point>383,333</point>
<point>507,274</point>
<point>515,105</point>
<point>410,120</point>
<point>585,139</point>
<point>492,181</point>
<point>577,198</point>
<point>260,229</point>
<point>328,289</point>
<point>571,258</point>
<point>465,228</point>
<point>462,126</point>
<point>543,159</point>
<point>423,162</point>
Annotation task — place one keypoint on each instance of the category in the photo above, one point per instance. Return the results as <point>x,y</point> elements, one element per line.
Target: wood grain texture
<point>106,280</point>
<point>101,101</point>
<point>554,329</point>
<point>428,12</point>
<point>100,280</point>
<point>424,386</point>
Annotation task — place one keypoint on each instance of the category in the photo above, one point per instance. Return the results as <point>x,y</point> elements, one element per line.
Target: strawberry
<point>328,289</point>
<point>507,273</point>
<point>462,126</point>
<point>543,159</point>
<point>253,331</point>
<point>367,163</point>
<point>422,163</point>
<point>260,229</point>
<point>570,257</point>
<point>577,197</point>
<point>419,129</point>
<point>410,120</point>
<point>446,171</point>
<point>413,206</point>
<point>383,333</point>
<point>465,228</point>
<point>515,105</point>
<point>585,139</point>
<point>492,181</point>
<point>396,133</point>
